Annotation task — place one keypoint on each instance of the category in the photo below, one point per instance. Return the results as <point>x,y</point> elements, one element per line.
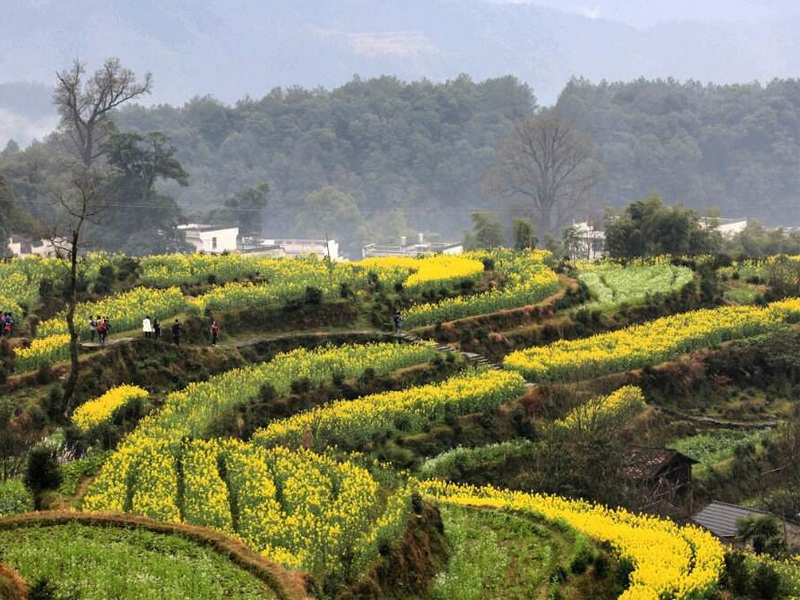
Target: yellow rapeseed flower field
<point>351,423</point>
<point>301,509</point>
<point>102,409</point>
<point>669,561</point>
<point>650,343</point>
<point>526,280</point>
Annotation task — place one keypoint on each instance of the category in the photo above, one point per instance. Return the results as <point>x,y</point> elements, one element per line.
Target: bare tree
<point>78,204</point>
<point>85,104</point>
<point>550,165</point>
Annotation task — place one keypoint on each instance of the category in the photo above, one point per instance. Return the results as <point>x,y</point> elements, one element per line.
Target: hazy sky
<point>233,48</point>
<point>646,13</point>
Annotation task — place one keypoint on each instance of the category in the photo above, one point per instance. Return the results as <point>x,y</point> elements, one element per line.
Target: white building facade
<point>211,239</point>
<point>293,247</point>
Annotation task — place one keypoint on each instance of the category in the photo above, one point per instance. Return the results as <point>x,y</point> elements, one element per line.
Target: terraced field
<point>293,456</point>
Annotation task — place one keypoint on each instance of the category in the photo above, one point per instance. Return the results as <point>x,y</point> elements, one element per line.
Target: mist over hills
<point>233,48</point>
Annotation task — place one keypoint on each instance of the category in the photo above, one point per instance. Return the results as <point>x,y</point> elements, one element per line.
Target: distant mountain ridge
<point>232,48</point>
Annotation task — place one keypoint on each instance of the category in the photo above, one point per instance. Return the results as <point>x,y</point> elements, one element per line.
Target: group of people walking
<point>99,327</point>
<point>152,329</point>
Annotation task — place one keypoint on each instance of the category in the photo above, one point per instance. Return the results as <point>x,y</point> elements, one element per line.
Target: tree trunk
<point>72,381</point>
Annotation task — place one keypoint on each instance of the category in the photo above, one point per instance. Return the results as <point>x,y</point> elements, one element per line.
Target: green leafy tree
<point>758,241</point>
<point>487,231</point>
<point>41,472</point>
<point>140,220</point>
<point>524,234</point>
<point>331,212</point>
<point>549,164</point>
<point>649,228</point>
<point>764,532</point>
<point>248,206</point>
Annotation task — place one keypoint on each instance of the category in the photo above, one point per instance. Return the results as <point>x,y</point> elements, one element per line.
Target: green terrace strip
<point>653,342</point>
<point>528,280</point>
<point>129,558</point>
<point>354,423</point>
<point>611,285</point>
<point>448,464</point>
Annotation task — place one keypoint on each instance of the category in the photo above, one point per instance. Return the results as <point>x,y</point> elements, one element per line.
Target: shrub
<point>767,582</point>
<point>14,498</point>
<point>299,386</point>
<point>41,471</point>
<point>45,374</point>
<point>313,295</point>
<point>42,590</point>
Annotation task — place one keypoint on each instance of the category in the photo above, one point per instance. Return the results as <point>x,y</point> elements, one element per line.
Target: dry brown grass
<point>12,586</point>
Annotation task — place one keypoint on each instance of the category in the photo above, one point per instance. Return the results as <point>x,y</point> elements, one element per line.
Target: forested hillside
<point>415,151</point>
<point>380,158</point>
<point>736,147</point>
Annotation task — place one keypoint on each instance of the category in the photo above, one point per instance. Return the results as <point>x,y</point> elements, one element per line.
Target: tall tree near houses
<point>549,165</point>
<point>77,204</point>
<point>85,104</point>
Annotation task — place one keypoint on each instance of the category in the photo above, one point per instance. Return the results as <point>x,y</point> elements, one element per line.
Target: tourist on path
<point>147,327</point>
<point>398,323</point>
<point>92,328</point>
<point>176,333</point>
<point>102,330</point>
<point>214,333</point>
<point>157,329</point>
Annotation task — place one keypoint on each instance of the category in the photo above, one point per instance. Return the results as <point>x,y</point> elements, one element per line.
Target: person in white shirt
<point>147,327</point>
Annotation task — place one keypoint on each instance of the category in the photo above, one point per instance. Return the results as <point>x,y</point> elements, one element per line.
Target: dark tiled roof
<point>720,518</point>
<point>644,462</point>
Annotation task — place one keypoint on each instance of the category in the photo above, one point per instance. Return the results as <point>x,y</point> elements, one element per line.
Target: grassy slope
<point>103,563</point>
<point>504,557</point>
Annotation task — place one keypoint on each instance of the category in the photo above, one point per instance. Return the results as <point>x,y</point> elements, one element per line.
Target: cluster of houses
<point>585,242</point>
<point>213,239</point>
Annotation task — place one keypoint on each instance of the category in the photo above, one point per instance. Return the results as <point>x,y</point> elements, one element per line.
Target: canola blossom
<point>101,410</point>
<point>351,423</point>
<point>166,270</point>
<point>20,278</point>
<point>42,351</point>
<point>298,508</point>
<point>191,412</point>
<point>431,272</point>
<point>623,404</point>
<point>125,310</point>
<point>527,280</point>
<point>669,561</point>
<point>653,342</point>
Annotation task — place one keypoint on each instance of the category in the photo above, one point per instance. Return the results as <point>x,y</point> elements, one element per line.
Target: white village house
<point>587,243</point>
<point>210,238</point>
<point>412,250</point>
<point>727,228</point>
<point>293,247</point>
<point>22,247</point>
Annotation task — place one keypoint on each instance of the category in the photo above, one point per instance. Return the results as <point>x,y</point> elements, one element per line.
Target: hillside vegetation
<point>328,457</point>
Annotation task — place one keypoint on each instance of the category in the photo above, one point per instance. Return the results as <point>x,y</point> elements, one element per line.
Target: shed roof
<point>720,518</point>
<point>644,461</point>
